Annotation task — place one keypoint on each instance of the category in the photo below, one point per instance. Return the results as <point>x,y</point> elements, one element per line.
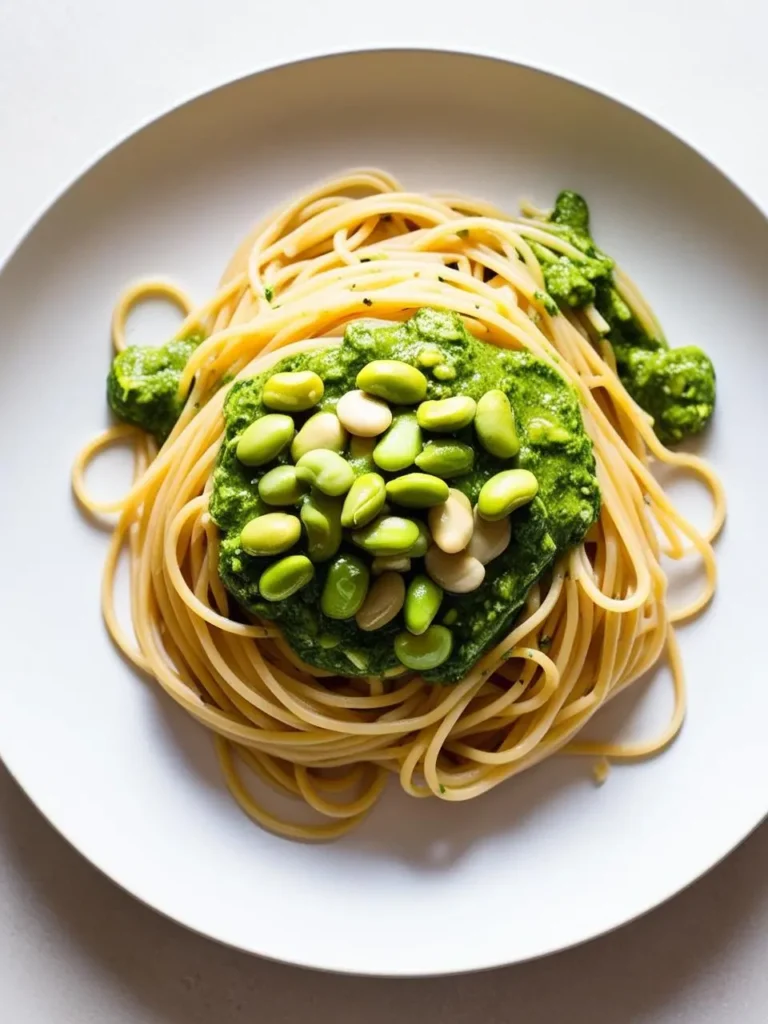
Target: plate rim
<point>48,203</point>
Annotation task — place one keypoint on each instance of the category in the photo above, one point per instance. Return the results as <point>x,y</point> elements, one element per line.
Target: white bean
<point>363,415</point>
<point>451,522</point>
<point>382,603</point>
<point>390,563</point>
<point>489,539</point>
<point>458,574</point>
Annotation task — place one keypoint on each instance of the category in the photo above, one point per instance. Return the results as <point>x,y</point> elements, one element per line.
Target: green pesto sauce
<point>554,446</point>
<point>675,386</point>
<point>143,384</point>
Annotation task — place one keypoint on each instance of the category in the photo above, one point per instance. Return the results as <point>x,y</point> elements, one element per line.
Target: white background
<point>77,75</point>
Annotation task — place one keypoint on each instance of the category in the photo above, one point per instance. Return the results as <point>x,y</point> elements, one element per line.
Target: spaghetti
<point>588,629</point>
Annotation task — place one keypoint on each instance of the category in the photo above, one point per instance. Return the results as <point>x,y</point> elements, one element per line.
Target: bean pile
<point>383,425</point>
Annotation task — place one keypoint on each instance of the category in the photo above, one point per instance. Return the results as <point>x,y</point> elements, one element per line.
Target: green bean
<point>361,454</point>
<point>417,490</point>
<point>364,501</point>
<point>321,517</point>
<point>281,486</point>
<point>393,381</point>
<point>264,439</point>
<point>387,535</point>
<point>425,652</point>
<point>429,356</point>
<point>447,414</point>
<point>505,492</point>
<point>446,459</point>
<point>495,425</point>
<point>421,545</point>
<point>444,371</point>
<point>284,578</point>
<point>292,392</point>
<point>270,534</point>
<point>541,430</point>
<point>422,603</point>
<point>346,585</point>
<point>328,471</point>
<point>323,430</point>
<point>398,449</point>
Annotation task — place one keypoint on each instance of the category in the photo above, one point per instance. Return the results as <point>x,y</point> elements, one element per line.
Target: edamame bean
<point>363,415</point>
<point>417,490</point>
<point>458,574</point>
<point>425,652</point>
<point>400,445</point>
<point>429,356</point>
<point>422,603</point>
<point>323,430</point>
<point>345,587</point>
<point>447,414</point>
<point>264,439</point>
<point>361,454</point>
<point>296,391</point>
<point>393,381</point>
<point>495,425</point>
<point>321,517</point>
<point>387,535</point>
<point>390,563</point>
<point>421,546</point>
<point>364,501</point>
<point>325,470</point>
<point>543,431</point>
<point>281,486</point>
<point>284,578</point>
<point>489,539</point>
<point>384,601</point>
<point>444,371</point>
<point>270,534</point>
<point>505,492</point>
<point>446,459</point>
<point>451,522</point>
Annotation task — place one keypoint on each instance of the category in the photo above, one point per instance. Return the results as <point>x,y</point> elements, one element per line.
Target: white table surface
<point>75,76</point>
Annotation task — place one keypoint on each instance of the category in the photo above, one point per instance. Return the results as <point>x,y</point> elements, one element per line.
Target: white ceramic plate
<point>546,860</point>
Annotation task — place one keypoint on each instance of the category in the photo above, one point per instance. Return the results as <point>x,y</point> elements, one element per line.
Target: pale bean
<point>390,563</point>
<point>489,539</point>
<point>384,601</point>
<point>323,430</point>
<point>458,574</point>
<point>451,522</point>
<point>363,415</point>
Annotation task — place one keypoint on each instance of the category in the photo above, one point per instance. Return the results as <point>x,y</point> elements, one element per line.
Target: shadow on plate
<point>115,951</point>
<point>429,834</point>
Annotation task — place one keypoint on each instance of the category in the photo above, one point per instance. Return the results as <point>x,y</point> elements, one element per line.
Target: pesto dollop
<point>675,386</point>
<point>143,384</point>
<point>553,445</point>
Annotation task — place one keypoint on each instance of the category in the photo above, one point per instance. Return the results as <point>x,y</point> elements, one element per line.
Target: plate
<point>544,861</point>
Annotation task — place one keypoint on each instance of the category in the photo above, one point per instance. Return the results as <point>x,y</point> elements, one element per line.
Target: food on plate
<point>394,509</point>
